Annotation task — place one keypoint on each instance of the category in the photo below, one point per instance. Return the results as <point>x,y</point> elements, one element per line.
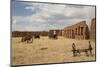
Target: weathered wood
<point>87,51</point>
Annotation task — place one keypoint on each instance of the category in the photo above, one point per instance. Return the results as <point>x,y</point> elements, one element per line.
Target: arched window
<point>78,30</point>
<point>81,30</point>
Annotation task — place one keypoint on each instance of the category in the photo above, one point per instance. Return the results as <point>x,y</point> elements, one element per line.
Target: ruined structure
<point>20,33</point>
<point>23,33</point>
<point>44,33</point>
<point>77,31</point>
<point>93,29</point>
<point>58,32</point>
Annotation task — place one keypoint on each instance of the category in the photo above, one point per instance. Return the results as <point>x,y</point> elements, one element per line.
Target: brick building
<point>77,31</point>
<point>57,31</point>
<point>93,29</point>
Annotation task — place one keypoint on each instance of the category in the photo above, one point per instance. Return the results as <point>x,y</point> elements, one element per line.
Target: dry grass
<point>45,50</point>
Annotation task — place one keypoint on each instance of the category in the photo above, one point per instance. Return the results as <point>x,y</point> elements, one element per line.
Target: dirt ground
<point>45,50</point>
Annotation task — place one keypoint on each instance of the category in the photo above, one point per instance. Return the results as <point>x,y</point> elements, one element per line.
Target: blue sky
<point>30,16</point>
<point>18,9</point>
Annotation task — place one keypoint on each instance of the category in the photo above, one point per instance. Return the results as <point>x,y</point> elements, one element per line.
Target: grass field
<point>45,50</point>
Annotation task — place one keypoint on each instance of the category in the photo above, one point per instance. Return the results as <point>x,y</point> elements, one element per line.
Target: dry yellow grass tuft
<point>45,50</point>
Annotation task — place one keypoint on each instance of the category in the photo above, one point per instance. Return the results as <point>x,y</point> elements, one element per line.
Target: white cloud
<point>14,21</point>
<point>49,16</point>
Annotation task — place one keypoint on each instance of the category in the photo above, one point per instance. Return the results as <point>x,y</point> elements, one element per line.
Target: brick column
<point>84,34</point>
